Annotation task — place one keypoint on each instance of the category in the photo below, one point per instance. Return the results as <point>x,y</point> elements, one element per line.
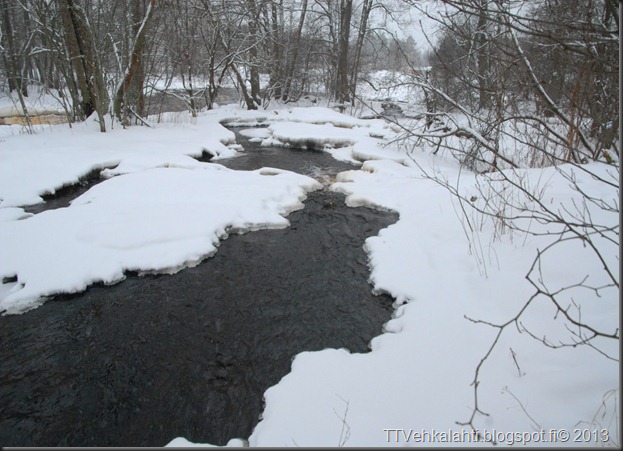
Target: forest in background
<point>549,69</point>
<point>105,54</point>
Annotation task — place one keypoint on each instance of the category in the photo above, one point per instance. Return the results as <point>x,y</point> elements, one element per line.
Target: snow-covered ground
<point>38,102</point>
<point>162,210</point>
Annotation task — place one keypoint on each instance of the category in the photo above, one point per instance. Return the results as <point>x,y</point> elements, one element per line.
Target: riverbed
<point>191,354</point>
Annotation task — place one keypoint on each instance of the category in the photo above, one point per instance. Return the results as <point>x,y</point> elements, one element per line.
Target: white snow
<point>418,375</point>
<point>162,210</point>
<point>37,102</point>
<point>159,219</point>
<point>33,165</point>
<point>255,134</point>
<point>385,85</point>
<point>181,442</point>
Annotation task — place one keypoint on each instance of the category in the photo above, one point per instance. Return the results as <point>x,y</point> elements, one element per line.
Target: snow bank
<point>255,134</point>
<point>418,376</point>
<point>38,164</point>
<point>346,138</point>
<point>181,442</point>
<point>156,220</point>
<point>385,85</point>
<point>38,102</point>
<point>308,115</point>
<point>163,210</point>
<point>308,135</point>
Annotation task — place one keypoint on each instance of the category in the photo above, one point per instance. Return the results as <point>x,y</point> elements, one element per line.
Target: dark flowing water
<point>63,196</point>
<point>191,354</point>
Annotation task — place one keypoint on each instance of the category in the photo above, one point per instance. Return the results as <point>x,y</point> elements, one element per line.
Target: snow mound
<point>34,165</point>
<point>255,134</point>
<point>181,442</point>
<point>309,136</point>
<point>418,380</point>
<point>157,220</point>
<point>38,102</point>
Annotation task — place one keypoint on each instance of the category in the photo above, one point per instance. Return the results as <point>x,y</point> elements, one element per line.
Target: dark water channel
<point>63,196</point>
<point>191,354</point>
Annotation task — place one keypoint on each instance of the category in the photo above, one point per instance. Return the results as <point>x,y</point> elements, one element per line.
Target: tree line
<point>101,55</point>
<point>546,71</point>
<point>502,63</point>
<point>529,84</point>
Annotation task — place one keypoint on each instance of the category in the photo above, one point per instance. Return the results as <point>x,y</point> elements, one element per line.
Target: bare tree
<point>254,63</point>
<point>543,94</point>
<point>275,25</point>
<point>342,88</point>
<point>81,49</point>
<point>366,8</point>
<point>11,60</point>
<point>294,57</point>
<point>128,95</point>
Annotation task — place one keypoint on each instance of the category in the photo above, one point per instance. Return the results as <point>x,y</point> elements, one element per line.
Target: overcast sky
<point>413,22</point>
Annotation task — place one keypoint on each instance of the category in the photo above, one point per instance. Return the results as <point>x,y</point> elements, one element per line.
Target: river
<point>191,354</point>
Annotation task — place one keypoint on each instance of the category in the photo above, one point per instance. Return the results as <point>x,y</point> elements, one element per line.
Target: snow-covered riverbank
<point>163,210</point>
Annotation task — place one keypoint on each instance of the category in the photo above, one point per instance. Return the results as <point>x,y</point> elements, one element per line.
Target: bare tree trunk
<point>79,41</point>
<point>26,68</point>
<point>482,57</point>
<point>363,29</point>
<point>9,57</point>
<point>251,105</point>
<point>123,100</point>
<point>295,51</point>
<point>95,77</point>
<point>276,74</point>
<point>138,80</point>
<point>342,91</point>
<point>254,74</point>
<point>85,108</point>
<point>10,54</point>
